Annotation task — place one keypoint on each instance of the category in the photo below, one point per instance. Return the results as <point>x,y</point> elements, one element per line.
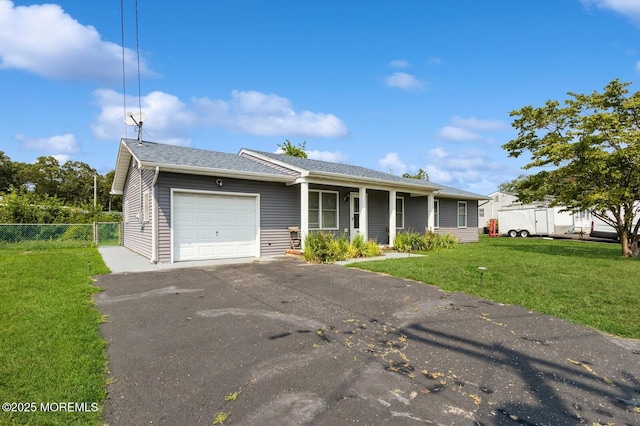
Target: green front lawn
<point>51,351</point>
<point>585,282</point>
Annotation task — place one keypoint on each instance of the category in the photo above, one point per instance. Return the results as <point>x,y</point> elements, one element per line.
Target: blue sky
<point>386,84</point>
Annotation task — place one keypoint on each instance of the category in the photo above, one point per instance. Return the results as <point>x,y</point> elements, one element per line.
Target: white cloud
<point>62,158</point>
<point>257,113</point>
<point>637,66</point>
<point>457,134</point>
<point>334,157</point>
<point>399,63</point>
<point>46,41</point>
<point>628,8</point>
<point>467,129</point>
<point>462,169</point>
<point>404,81</point>
<point>66,143</point>
<point>433,60</point>
<point>473,123</point>
<point>168,118</point>
<point>391,163</point>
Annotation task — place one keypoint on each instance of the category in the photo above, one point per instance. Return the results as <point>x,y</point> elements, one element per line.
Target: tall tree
<point>590,149</point>
<point>420,174</point>
<point>44,176</point>
<point>294,151</point>
<point>8,174</point>
<point>76,185</point>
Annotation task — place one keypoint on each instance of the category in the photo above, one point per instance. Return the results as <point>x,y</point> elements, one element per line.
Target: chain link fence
<point>99,233</point>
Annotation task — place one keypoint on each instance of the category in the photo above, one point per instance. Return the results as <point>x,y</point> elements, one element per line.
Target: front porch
<point>376,212</point>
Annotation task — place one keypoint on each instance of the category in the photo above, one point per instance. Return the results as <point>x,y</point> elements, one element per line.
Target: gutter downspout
<point>154,219</point>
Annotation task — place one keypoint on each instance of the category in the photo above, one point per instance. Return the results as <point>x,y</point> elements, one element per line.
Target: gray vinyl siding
<point>378,207</point>
<point>279,208</point>
<point>449,220</point>
<point>415,213</point>
<point>137,236</point>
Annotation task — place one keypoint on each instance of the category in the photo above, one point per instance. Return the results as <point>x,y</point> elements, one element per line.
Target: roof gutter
<point>380,182</point>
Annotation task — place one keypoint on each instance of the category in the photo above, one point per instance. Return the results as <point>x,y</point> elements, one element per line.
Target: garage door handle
<point>217,233</point>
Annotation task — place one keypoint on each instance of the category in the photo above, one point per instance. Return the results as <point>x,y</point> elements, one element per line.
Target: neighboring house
<point>488,209</point>
<point>184,203</point>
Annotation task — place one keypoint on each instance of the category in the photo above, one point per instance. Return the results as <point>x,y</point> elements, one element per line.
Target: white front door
<point>354,208</point>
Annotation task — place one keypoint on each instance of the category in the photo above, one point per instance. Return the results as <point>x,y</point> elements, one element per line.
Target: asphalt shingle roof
<point>151,152</point>
<point>342,169</point>
<point>185,157</point>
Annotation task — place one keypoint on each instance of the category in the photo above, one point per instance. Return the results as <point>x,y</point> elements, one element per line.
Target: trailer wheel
<point>513,233</point>
<point>524,233</point>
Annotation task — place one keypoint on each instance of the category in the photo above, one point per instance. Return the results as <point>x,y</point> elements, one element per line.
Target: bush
<point>371,249</point>
<point>413,241</point>
<point>327,248</point>
<point>78,233</point>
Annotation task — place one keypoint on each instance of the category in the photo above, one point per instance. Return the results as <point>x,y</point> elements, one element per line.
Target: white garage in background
<point>215,225</point>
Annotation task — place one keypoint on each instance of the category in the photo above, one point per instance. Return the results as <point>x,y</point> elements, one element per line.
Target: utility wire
<point>124,82</point>
<point>138,58</point>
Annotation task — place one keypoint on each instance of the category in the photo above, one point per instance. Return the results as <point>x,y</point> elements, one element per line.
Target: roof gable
<point>319,167</point>
<point>181,159</point>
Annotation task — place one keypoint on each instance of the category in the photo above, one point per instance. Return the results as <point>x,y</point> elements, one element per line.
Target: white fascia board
<point>379,184</point>
<point>460,197</point>
<point>122,167</point>
<point>207,171</point>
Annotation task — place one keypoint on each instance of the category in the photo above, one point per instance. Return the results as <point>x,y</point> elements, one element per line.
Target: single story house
<point>182,203</point>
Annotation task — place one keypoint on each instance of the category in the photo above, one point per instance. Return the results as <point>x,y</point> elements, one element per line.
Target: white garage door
<point>209,226</point>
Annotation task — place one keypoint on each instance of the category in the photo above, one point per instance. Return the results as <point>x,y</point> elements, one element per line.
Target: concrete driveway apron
<point>290,343</point>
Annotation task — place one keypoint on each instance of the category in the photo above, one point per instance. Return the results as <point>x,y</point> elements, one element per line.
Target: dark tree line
<point>71,183</point>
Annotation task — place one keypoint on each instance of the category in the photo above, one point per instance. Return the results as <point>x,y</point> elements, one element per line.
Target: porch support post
<point>304,212</point>
<point>431,215</point>
<point>392,217</point>
<point>364,214</point>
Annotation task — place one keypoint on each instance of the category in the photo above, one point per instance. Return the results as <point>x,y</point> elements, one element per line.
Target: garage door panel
<point>210,226</point>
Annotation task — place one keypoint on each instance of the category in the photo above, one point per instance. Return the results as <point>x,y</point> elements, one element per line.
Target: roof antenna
<point>136,119</point>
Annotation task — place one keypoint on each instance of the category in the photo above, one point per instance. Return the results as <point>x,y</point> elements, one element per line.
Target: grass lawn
<point>51,350</point>
<point>584,282</point>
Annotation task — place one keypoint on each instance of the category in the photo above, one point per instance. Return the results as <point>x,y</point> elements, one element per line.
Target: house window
<point>462,214</point>
<point>481,213</point>
<point>323,210</point>
<point>436,213</point>
<point>125,211</point>
<point>146,207</point>
<point>399,213</point>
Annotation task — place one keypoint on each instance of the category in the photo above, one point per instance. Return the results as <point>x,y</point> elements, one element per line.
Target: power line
<point>124,82</point>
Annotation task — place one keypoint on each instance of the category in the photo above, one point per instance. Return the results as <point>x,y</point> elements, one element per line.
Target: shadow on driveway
<point>289,343</point>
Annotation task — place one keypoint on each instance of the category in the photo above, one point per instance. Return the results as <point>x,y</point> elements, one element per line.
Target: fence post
<point>95,233</point>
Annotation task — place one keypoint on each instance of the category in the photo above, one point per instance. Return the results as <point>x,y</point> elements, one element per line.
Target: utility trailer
<point>534,221</point>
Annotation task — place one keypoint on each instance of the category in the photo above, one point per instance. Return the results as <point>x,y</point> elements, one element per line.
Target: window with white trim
<point>462,214</point>
<point>323,210</point>
<point>399,213</point>
<point>481,213</point>
<point>146,206</point>
<point>436,213</point>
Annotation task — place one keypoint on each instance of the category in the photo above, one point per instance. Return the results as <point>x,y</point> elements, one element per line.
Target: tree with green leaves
<point>511,186</point>
<point>294,151</point>
<point>420,174</point>
<point>8,174</point>
<point>587,153</point>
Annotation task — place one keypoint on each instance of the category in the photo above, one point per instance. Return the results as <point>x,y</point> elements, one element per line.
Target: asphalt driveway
<point>290,343</point>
